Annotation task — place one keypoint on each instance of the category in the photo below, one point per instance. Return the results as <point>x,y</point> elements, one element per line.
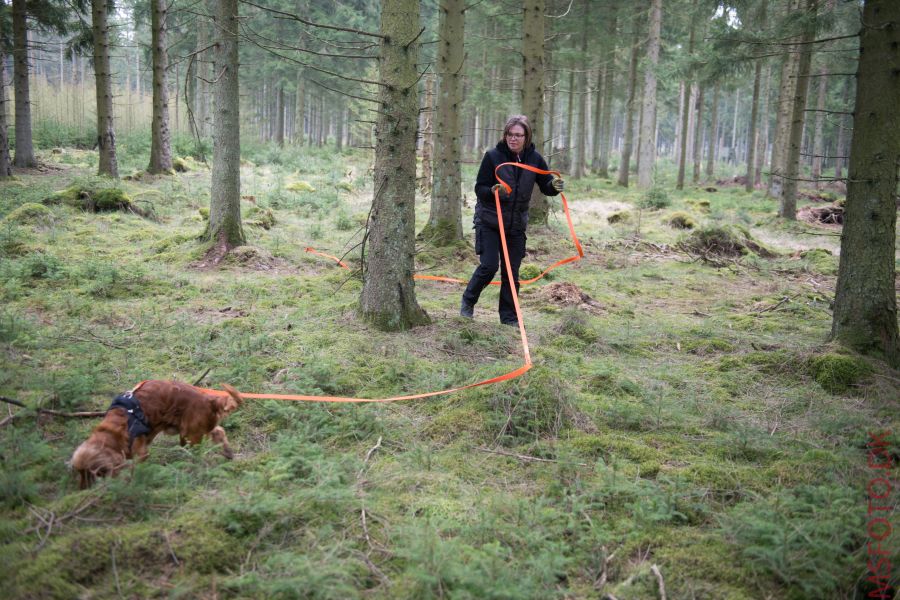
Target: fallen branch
<point>525,457</point>
<point>604,570</point>
<point>659,580</point>
<point>56,413</point>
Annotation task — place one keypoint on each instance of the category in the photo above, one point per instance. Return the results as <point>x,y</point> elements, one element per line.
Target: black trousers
<point>487,245</point>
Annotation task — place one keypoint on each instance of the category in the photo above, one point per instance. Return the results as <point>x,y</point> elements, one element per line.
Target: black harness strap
<point>137,422</point>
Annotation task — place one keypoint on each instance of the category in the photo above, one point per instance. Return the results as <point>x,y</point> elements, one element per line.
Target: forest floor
<point>684,423</point>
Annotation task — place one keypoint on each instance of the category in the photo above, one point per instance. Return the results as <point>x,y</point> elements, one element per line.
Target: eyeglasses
<point>516,136</point>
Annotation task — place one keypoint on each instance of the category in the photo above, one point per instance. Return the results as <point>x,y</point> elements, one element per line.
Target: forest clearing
<point>707,413</point>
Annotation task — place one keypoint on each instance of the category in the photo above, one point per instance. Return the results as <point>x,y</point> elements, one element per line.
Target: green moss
<point>260,217</point>
<point>180,165</point>
<point>820,260</point>
<point>837,373</point>
<point>619,217</point>
<point>28,214</point>
<point>681,220</point>
<point>300,186</point>
<point>93,199</point>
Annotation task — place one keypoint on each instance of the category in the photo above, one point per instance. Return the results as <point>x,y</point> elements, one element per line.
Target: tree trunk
<point>733,146</point>
<point>685,99</point>
<point>580,151</point>
<point>818,145</point>
<point>300,124</point>
<point>106,135</point>
<point>713,132</point>
<point>160,142</point>
<point>24,145</point>
<point>279,115</point>
<point>609,81</point>
<point>789,63</point>
<point>628,135</point>
<point>428,117</point>
<point>865,302</point>
<point>224,228</point>
<point>840,151</point>
<point>698,135</point>
<point>445,220</point>
<point>5,162</point>
<point>533,93</point>
<point>763,137</point>
<point>388,298</point>
<point>788,209</point>
<point>752,130</point>
<point>647,163</point>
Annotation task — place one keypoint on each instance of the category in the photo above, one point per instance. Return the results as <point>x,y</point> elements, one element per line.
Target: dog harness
<point>137,422</point>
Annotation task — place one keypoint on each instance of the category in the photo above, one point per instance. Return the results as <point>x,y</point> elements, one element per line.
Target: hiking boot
<point>510,323</point>
<point>467,310</point>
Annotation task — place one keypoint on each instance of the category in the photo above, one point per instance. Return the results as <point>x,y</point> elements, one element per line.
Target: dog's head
<point>104,453</point>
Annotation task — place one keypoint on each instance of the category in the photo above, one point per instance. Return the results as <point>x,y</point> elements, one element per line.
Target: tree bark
<point>160,143</point>
<point>24,146</point>
<point>865,303</point>
<point>685,98</point>
<point>842,134</point>
<point>628,141</point>
<point>533,93</point>
<point>106,135</point>
<point>279,115</point>
<point>5,162</point>
<point>605,133</point>
<point>752,130</point>
<point>388,298</point>
<point>445,220</point>
<point>789,63</point>
<point>224,228</point>
<point>698,135</point>
<point>428,117</point>
<point>818,144</point>
<point>788,209</point>
<point>762,141</point>
<point>713,132</point>
<point>580,153</point>
<point>647,164</point>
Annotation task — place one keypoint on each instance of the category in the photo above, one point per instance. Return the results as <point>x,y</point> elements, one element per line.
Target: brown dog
<point>168,406</point>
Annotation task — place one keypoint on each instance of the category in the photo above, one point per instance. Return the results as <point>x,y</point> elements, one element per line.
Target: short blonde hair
<point>522,121</point>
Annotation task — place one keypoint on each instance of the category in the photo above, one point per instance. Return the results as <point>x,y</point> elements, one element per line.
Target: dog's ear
<point>232,402</point>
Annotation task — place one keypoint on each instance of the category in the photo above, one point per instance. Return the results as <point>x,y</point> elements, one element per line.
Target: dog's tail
<point>230,403</point>
<point>91,461</point>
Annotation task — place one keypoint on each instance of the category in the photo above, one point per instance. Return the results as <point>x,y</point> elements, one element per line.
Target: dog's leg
<point>218,436</point>
<point>139,448</point>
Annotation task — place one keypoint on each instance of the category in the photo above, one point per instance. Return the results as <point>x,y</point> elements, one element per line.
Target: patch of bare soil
<point>568,294</point>
<point>217,315</point>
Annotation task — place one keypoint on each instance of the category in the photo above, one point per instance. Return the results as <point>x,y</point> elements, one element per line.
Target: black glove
<point>502,190</point>
<point>558,184</point>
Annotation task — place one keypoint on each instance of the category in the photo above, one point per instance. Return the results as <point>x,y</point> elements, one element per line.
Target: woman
<point>515,146</point>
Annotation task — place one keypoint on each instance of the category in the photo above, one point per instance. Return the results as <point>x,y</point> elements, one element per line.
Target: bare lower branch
<point>57,413</point>
<point>293,17</point>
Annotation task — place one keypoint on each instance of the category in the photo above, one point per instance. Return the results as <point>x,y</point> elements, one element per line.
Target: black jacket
<point>514,206</point>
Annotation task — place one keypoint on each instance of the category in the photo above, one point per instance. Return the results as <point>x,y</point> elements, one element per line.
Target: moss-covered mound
<point>619,217</point>
<point>681,220</point>
<point>96,200</point>
<point>259,217</point>
<point>28,214</point>
<point>724,241</point>
<point>837,373</point>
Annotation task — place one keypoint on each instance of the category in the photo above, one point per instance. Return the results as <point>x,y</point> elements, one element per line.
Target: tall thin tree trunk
<point>628,135</point>
<point>698,134</point>
<point>106,135</point>
<point>24,146</point>
<point>299,128</point>
<point>647,151</point>
<point>865,301</point>
<point>685,99</point>
<point>580,154</point>
<point>279,115</point>
<point>732,151</point>
<point>788,209</point>
<point>428,118</point>
<point>713,132</point>
<point>840,150</point>
<point>763,137</point>
<point>445,220</point>
<point>752,130</point>
<point>818,145</point>
<point>609,79</point>
<point>5,162</point>
<point>788,82</point>
<point>533,92</point>
<point>160,143</point>
<point>224,228</point>
<point>388,298</point>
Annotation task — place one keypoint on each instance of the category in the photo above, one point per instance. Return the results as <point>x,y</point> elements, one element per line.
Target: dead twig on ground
<point>55,413</point>
<point>602,576</point>
<point>525,457</point>
<point>659,580</point>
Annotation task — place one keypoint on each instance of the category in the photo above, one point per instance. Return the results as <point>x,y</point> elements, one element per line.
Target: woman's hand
<point>499,188</point>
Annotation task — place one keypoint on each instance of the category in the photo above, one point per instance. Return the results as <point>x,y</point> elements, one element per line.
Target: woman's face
<point>515,138</point>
